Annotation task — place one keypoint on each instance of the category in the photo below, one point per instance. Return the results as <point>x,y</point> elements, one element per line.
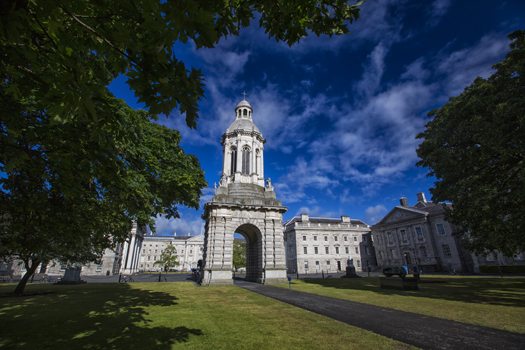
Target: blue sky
<point>340,114</point>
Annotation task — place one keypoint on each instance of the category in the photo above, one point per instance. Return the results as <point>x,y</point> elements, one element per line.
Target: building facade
<point>189,250</point>
<point>419,236</point>
<point>314,245</point>
<point>244,203</point>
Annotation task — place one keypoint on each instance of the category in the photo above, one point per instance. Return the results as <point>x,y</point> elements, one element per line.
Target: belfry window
<point>246,161</point>
<point>245,112</point>
<point>234,161</point>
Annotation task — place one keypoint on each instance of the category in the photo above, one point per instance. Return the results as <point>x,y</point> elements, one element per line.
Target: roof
<point>168,238</point>
<point>242,124</point>
<point>322,221</point>
<point>243,103</point>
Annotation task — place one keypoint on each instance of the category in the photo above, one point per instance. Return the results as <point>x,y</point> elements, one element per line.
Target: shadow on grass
<point>494,291</point>
<point>91,317</point>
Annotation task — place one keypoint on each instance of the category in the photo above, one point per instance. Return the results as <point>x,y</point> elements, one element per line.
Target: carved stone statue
<point>269,186</point>
<point>222,181</point>
<point>350,262</point>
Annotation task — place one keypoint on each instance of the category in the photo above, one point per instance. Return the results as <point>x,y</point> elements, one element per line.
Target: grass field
<point>492,302</point>
<point>168,316</point>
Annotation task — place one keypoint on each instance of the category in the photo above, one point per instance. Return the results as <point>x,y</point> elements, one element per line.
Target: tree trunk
<point>30,271</point>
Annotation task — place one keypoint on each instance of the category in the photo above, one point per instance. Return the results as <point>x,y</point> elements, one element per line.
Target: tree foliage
<point>168,258</point>
<point>239,254</point>
<point>68,196</point>
<point>475,147</point>
<point>63,53</point>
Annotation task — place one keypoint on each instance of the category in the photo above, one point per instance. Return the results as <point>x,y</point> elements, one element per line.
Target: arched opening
<point>233,163</point>
<point>245,112</point>
<point>246,160</point>
<point>254,261</point>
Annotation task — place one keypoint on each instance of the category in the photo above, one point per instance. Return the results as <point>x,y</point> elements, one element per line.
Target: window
<point>328,264</point>
<point>446,250</point>
<point>306,264</point>
<point>335,238</point>
<point>337,250</point>
<point>305,250</point>
<point>316,250</point>
<point>317,267</point>
<point>419,233</point>
<point>404,235</point>
<point>346,239</point>
<point>355,239</point>
<point>191,251</point>
<point>245,112</point>
<point>356,250</point>
<point>367,251</point>
<point>149,257</point>
<point>381,255</point>
<point>315,238</point>
<point>358,263</point>
<point>141,266</point>
<point>423,252</point>
<point>155,251</point>
<point>346,250</point>
<point>233,160</point>
<point>392,253</point>
<point>304,238</point>
<point>99,267</point>
<point>156,245</point>
<point>147,265</point>
<point>149,251</point>
<point>441,229</point>
<point>143,251</point>
<point>378,239</point>
<point>246,161</point>
<point>326,238</point>
<point>326,250</point>
<point>155,258</point>
<point>364,239</point>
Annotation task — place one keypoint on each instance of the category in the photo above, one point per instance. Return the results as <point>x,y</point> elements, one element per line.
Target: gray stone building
<point>419,236</point>
<point>324,244</point>
<point>189,251</point>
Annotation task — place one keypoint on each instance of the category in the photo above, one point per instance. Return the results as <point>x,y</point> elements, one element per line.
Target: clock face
<point>398,214</point>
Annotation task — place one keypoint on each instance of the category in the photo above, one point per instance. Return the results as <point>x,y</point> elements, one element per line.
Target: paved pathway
<point>418,330</point>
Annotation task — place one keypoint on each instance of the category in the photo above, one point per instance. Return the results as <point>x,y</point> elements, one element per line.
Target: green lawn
<point>168,316</point>
<point>492,302</point>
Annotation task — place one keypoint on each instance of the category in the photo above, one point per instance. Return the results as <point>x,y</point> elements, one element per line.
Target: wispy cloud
<point>374,214</point>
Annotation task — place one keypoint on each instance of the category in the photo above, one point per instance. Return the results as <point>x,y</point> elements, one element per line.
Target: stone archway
<point>261,225</point>
<point>254,260</point>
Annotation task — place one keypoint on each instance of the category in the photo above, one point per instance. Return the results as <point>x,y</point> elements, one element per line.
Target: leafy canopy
<point>168,257</point>
<point>239,254</point>
<point>62,53</point>
<point>475,147</point>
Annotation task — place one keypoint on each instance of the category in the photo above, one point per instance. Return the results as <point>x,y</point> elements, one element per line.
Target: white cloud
<point>463,66</point>
<point>373,72</point>
<point>181,226</point>
<point>374,214</point>
<point>317,211</point>
<point>416,71</point>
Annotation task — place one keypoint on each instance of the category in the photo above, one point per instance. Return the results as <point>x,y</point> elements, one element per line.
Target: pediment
<point>400,214</point>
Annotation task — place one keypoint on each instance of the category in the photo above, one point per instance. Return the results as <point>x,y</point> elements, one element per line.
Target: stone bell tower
<point>244,203</point>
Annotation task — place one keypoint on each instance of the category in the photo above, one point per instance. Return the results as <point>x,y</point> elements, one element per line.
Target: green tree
<point>67,196</point>
<point>475,147</point>
<point>81,165</point>
<point>239,254</point>
<point>168,258</point>
<point>62,53</point>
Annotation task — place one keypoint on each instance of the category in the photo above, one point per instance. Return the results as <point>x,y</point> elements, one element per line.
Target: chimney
<point>403,201</point>
<point>189,234</point>
<point>304,217</point>
<point>175,234</point>
<point>345,218</point>
<point>421,197</point>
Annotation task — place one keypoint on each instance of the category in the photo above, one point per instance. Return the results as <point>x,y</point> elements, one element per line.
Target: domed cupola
<point>243,162</point>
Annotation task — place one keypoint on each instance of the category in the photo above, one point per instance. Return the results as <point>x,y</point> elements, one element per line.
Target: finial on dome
<point>244,93</point>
